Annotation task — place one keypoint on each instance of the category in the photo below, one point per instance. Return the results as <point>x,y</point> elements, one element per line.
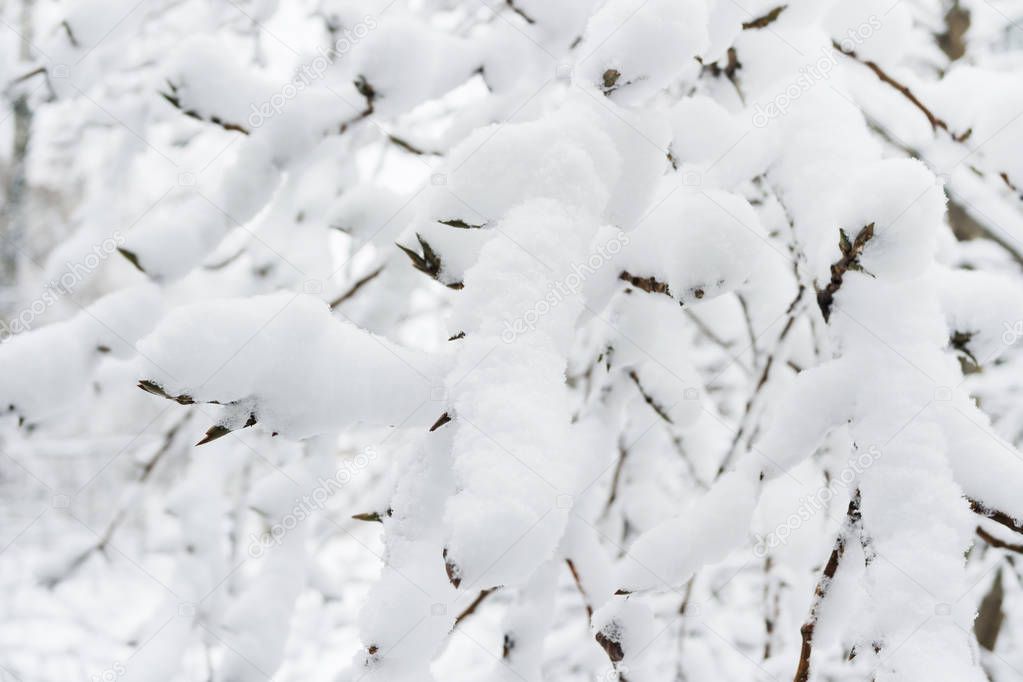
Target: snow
<point>260,354</point>
<point>513,340</point>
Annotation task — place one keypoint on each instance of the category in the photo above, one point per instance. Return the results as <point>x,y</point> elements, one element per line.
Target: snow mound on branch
<point>47,370</point>
<point>407,62</point>
<point>198,73</point>
<point>701,245</point>
<point>873,29</point>
<point>646,42</point>
<point>566,158</point>
<point>906,205</point>
<point>297,369</point>
<point>514,458</point>
<point>709,528</point>
<point>987,307</point>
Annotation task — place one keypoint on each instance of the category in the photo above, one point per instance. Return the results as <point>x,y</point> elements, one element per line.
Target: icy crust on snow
<point>48,370</point>
<point>268,354</point>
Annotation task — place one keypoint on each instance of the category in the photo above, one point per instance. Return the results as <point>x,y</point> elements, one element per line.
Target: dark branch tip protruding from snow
<point>429,262</point>
<point>441,421</point>
<point>765,20</point>
<point>611,646</point>
<point>850,260</point>
<point>454,573</point>
<point>461,224</point>
<point>132,258</point>
<point>156,389</point>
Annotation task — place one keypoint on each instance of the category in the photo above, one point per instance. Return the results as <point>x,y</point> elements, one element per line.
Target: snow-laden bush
<point>590,339</point>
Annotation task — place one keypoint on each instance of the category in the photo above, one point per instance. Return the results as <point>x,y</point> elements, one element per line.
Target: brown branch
<point>108,534</point>
<point>793,313</point>
<point>997,542</point>
<point>996,516</point>
<point>990,615</point>
<point>354,289</point>
<point>70,34</point>
<point>175,101</point>
<point>518,10</point>
<point>623,453</point>
<point>852,522</point>
<point>471,608</point>
<point>935,122</point>
<point>648,284</point>
<point>850,260</point>
<point>654,405</point>
<point>953,41</point>
<point>765,20</point>
<point>409,147</point>
<point>579,586</point>
<point>964,226</point>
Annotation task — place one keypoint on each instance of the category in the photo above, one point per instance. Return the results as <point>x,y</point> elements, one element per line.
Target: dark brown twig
<point>354,289</point>
<point>765,20</point>
<point>996,516</point>
<point>935,122</point>
<point>471,608</point>
<point>175,101</point>
<point>851,524</point>
<point>850,260</point>
<point>997,542</point>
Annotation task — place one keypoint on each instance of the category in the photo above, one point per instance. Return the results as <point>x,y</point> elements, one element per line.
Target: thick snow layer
<point>48,370</point>
<point>262,355</point>
<point>700,244</point>
<point>634,48</point>
<point>710,528</point>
